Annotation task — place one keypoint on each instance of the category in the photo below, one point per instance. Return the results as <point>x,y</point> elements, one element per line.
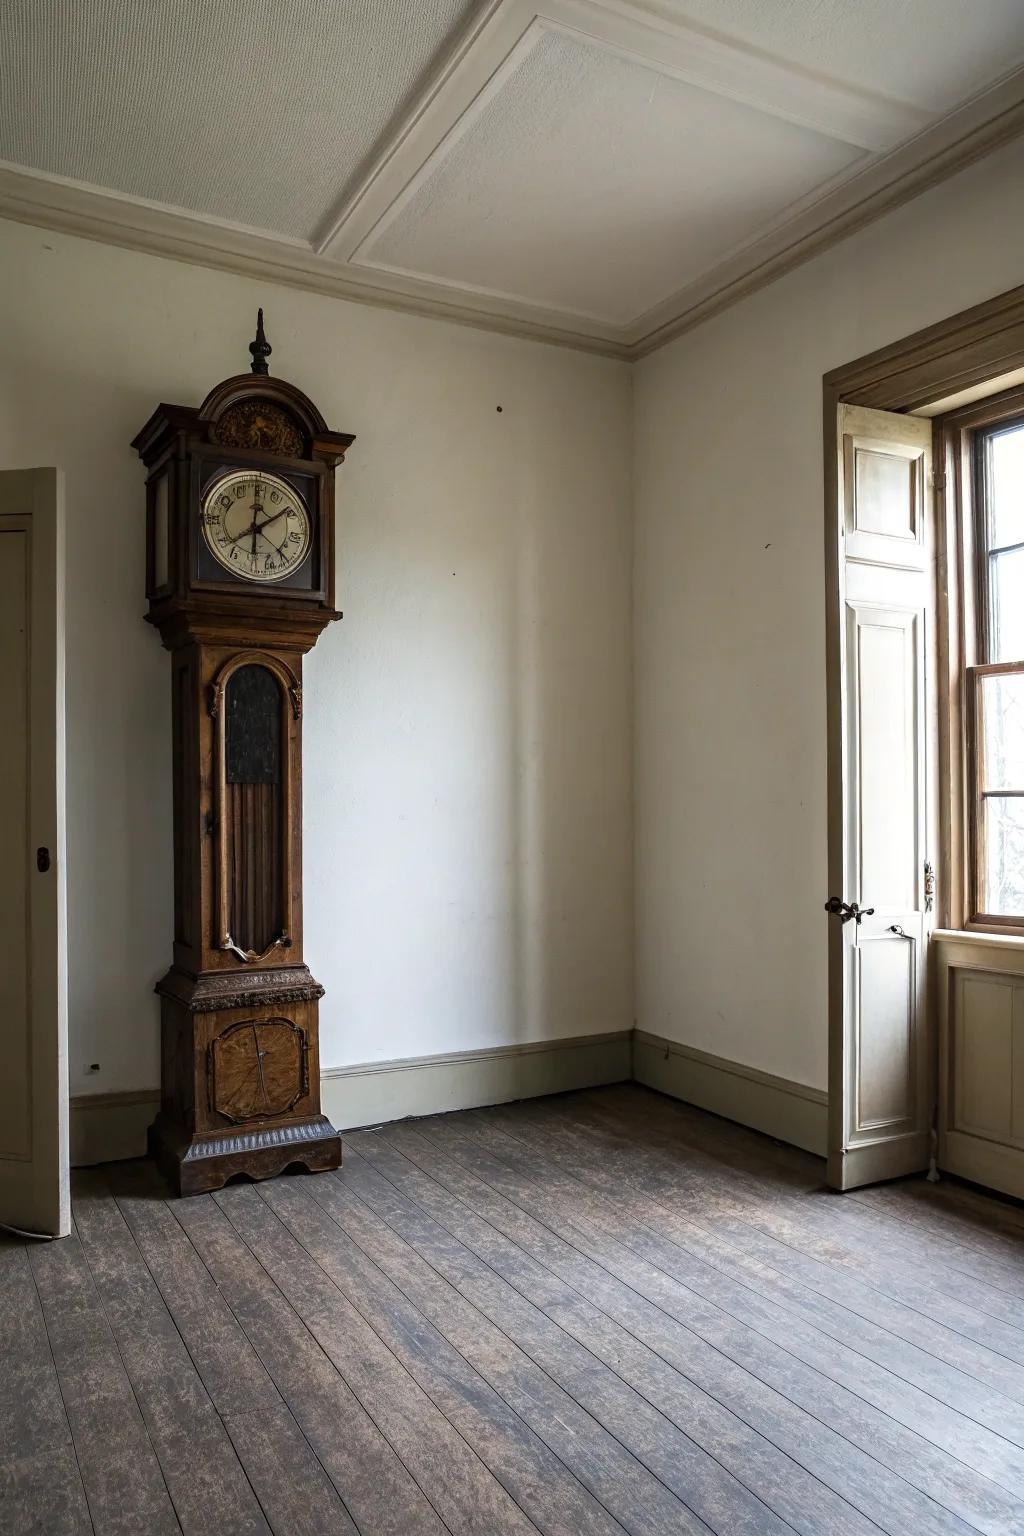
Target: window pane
<point>1002,716</point>
<point>1003,827</point>
<point>1006,487</point>
<point>1006,606</point>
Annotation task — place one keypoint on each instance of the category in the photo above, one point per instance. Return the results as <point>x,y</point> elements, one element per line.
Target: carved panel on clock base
<point>241,1078</point>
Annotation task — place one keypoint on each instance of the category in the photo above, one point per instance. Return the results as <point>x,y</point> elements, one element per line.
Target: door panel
<point>884,650</point>
<point>885,491</point>
<point>983,1082</point>
<point>980,988</point>
<point>880,1070</point>
<point>34,1180</point>
<point>885,1005</point>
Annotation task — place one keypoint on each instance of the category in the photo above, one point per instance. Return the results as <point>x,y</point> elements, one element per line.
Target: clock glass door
<point>254,810</point>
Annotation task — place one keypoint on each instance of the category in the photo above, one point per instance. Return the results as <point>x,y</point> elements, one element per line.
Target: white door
<point>880,1077</point>
<point>34,1182</point>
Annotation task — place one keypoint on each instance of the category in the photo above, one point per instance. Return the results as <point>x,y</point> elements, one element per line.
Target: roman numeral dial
<point>256,525</point>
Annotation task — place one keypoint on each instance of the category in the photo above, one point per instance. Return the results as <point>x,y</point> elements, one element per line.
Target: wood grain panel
<point>253,813</point>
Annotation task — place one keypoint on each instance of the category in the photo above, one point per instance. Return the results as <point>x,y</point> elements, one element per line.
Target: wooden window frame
<point>964,625</point>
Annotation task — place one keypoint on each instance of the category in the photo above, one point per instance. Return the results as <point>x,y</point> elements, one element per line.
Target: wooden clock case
<point>240,1089</point>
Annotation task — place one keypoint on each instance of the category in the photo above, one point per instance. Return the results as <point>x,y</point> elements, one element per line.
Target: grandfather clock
<point>240,584</point>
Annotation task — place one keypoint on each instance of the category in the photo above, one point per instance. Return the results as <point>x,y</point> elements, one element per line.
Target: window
<point>984,487</point>
<point>996,682</point>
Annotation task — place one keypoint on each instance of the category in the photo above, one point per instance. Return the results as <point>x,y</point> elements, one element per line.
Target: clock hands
<point>255,527</point>
<point>257,508</point>
<point>275,549</point>
<point>279,554</point>
<point>268,520</point>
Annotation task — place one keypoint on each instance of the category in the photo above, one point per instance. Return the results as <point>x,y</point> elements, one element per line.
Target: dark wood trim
<point>964,350</point>
<point>963,629</point>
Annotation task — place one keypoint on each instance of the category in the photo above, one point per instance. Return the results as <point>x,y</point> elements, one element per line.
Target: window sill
<point>1008,943</point>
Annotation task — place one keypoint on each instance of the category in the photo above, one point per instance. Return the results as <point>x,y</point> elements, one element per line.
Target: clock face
<point>256,525</point>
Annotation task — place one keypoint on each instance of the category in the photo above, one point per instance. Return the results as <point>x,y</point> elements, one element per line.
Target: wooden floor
<point>598,1313</point>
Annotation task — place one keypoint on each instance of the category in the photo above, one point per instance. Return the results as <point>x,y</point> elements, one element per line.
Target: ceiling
<point>603,172</point>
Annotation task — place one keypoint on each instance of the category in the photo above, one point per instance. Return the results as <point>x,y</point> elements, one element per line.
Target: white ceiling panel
<point>934,53</point>
<point>261,112</point>
<point>604,173</point>
<point>595,184</point>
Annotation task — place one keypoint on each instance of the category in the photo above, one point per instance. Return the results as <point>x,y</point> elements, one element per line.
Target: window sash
<point>962,460</point>
<point>988,551</point>
<point>983,790</point>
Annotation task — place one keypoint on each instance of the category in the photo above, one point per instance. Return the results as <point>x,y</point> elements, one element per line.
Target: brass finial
<point>260,348</point>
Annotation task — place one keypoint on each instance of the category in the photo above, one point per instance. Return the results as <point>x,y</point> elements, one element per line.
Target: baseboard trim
<point>372,1092</point>
<point>108,1127</point>
<point>790,1111</point>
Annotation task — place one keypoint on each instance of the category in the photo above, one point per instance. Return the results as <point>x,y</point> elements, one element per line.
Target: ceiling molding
<point>474,69</point>
<point>477,71</point>
<point>48,202</point>
<point>686,52</point>
<point>982,125</point>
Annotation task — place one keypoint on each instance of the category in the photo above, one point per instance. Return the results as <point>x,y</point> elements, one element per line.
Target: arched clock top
<point>253,410</point>
<point>240,511</point>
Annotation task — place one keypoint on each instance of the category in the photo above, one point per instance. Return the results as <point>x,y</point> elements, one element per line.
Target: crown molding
<point>982,125</point>
<point>93,213</point>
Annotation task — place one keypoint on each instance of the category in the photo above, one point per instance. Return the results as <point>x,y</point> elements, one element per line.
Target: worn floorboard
<point>40,1480</point>
<point>600,1314</point>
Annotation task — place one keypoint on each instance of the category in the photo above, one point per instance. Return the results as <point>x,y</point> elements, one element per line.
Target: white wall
<point>729,618</point>
<point>467,837</point>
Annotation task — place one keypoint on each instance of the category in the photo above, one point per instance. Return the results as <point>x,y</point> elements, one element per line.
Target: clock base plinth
<point>194,1165</point>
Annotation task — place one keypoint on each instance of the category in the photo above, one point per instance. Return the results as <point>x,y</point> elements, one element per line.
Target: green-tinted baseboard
<point>429,1085</point>
<point>787,1110</point>
<point>107,1127</point>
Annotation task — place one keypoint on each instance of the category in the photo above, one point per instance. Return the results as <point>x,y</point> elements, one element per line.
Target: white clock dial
<point>256,525</point>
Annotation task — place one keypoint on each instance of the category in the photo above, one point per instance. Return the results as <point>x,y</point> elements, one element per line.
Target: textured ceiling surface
<point>595,174</point>
<point>261,112</point>
<point>590,183</point>
<point>933,53</point>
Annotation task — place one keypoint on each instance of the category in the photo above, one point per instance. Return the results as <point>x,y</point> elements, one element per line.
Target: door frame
<point>967,349</point>
<point>48,1196</point>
